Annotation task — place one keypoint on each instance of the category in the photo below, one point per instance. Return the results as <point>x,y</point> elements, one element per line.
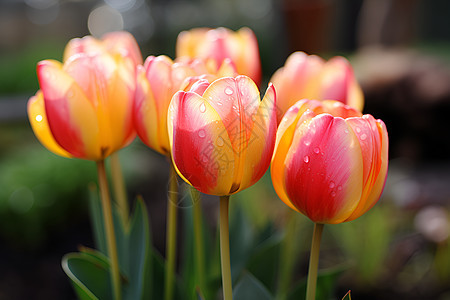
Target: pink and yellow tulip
<point>330,161</point>
<point>84,106</point>
<point>216,45</point>
<point>221,135</point>
<point>116,43</point>
<point>157,82</point>
<point>310,77</point>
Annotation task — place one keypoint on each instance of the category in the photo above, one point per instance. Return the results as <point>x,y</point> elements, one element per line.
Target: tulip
<point>221,135</point>
<point>222,43</point>
<point>222,138</point>
<point>119,42</point>
<point>330,161</point>
<point>84,107</point>
<point>157,82</point>
<point>310,77</point>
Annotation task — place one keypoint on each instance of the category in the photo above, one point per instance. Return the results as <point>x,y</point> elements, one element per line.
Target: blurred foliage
<point>39,191</point>
<point>18,71</point>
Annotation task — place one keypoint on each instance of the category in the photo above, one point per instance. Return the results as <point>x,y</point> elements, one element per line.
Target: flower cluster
<point>204,112</point>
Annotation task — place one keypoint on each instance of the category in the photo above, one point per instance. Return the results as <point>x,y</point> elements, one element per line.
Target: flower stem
<point>199,250</point>
<point>109,228</point>
<point>314,262</point>
<point>119,187</point>
<point>171,235</point>
<point>225,249</point>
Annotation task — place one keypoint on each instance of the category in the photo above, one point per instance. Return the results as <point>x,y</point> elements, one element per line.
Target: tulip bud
<point>222,137</point>
<point>217,45</point>
<point>330,161</point>
<point>310,77</point>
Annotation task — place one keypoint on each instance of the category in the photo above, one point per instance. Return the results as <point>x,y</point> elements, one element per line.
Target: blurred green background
<point>400,50</point>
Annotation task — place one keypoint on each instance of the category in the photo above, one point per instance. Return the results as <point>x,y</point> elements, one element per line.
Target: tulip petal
<point>145,114</point>
<point>123,43</point>
<point>201,148</point>
<point>72,118</point>
<point>325,169</point>
<point>377,160</point>
<point>39,123</point>
<point>258,154</point>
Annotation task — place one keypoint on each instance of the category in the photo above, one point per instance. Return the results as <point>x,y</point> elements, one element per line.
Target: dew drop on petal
<point>333,194</point>
<point>346,130</point>
<point>228,91</point>
<point>332,184</point>
<point>316,150</point>
<point>201,133</point>
<point>339,188</point>
<point>358,130</point>
<point>219,103</point>
<point>307,142</point>
<point>306,159</point>
<point>39,118</point>
<point>220,142</point>
<point>363,137</point>
<point>202,107</point>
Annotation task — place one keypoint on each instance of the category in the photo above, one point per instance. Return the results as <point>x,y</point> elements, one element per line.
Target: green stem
<point>314,262</point>
<point>119,187</point>
<point>109,227</point>
<point>199,250</point>
<point>225,249</point>
<point>288,257</point>
<point>171,235</point>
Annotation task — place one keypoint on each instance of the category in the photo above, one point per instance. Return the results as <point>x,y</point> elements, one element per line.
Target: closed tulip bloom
<point>330,162</point>
<point>311,77</point>
<point>157,81</point>
<point>241,47</point>
<point>118,42</point>
<point>84,106</point>
<point>221,135</point>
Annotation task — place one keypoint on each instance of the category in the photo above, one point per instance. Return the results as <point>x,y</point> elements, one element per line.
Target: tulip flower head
<point>118,42</point>
<point>84,106</point>
<point>157,81</point>
<point>310,77</point>
<point>216,45</point>
<point>330,161</point>
<point>221,135</point>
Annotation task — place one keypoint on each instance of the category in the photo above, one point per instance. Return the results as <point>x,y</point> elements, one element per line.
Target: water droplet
<point>202,107</point>
<point>205,158</point>
<point>358,130</point>
<point>333,194</point>
<point>228,91</point>
<point>316,150</point>
<point>219,103</point>
<point>363,137</point>
<point>307,142</point>
<point>346,130</point>
<point>332,184</point>
<point>220,142</point>
<point>306,159</point>
<point>39,118</point>
<point>201,133</point>
<point>339,187</point>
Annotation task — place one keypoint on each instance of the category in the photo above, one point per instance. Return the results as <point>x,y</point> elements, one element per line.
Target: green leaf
<point>138,259</point>
<point>89,274</point>
<point>242,238</point>
<point>96,215</point>
<point>249,288</point>
<point>264,261</point>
